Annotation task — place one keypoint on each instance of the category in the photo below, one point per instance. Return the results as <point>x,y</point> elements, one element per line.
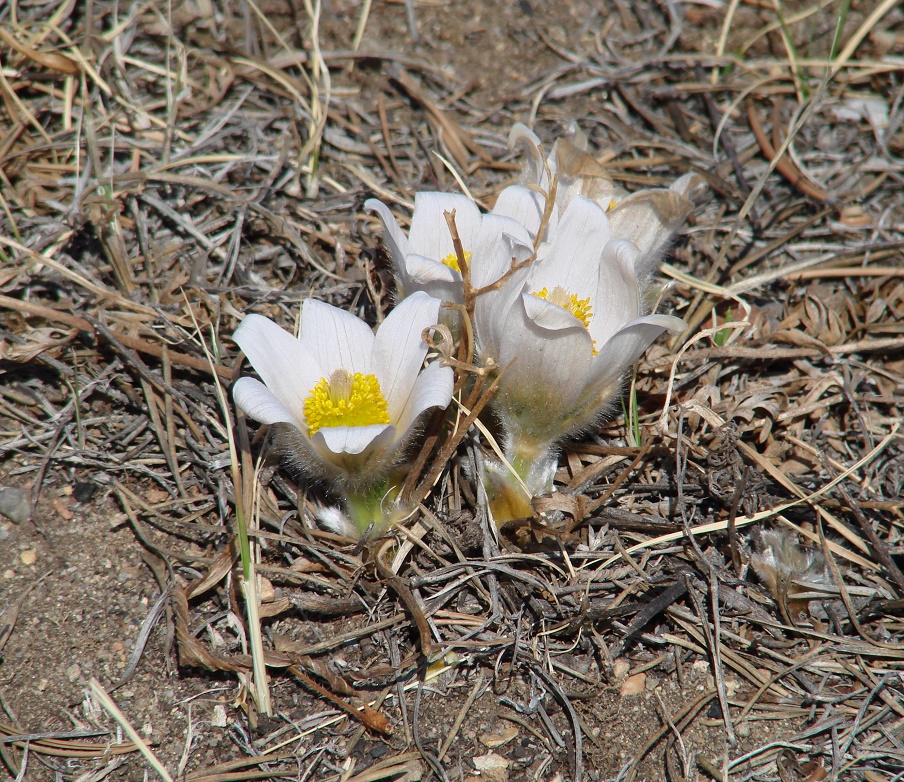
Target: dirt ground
<point>165,167</point>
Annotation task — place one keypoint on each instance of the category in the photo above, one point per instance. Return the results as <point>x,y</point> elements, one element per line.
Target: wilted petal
<point>399,351</point>
<point>336,339</point>
<point>649,219</point>
<point>692,186</point>
<point>430,235</point>
<point>256,401</point>
<point>433,388</point>
<point>534,168</point>
<point>287,368</point>
<point>627,345</point>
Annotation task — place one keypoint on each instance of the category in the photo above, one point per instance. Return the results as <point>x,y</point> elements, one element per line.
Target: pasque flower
<point>647,218</point>
<point>349,399</point>
<point>425,259</point>
<point>564,333</point>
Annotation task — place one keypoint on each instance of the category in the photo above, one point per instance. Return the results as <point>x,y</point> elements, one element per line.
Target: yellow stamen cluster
<point>451,260</point>
<point>345,399</point>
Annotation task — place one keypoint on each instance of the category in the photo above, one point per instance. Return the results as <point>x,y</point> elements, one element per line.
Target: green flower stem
<point>373,508</point>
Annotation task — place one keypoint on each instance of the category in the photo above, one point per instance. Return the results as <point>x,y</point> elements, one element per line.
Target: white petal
<point>500,242</point>
<point>573,257</point>
<point>395,239</point>
<point>287,368</point>
<point>256,401</point>
<point>430,235</point>
<point>617,300</point>
<point>548,315</point>
<point>433,388</point>
<point>491,312</point>
<point>649,218</point>
<point>425,270</point>
<point>521,204</point>
<point>544,371</point>
<point>626,346</point>
<point>336,339</point>
<point>433,278</point>
<point>350,440</point>
<point>399,351</point>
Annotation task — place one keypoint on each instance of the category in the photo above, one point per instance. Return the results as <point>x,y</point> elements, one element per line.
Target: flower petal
<point>286,366</point>
<point>548,315</point>
<point>617,300</point>
<point>256,401</point>
<point>351,440</point>
<point>627,345</point>
<point>336,338</point>
<point>396,242</point>
<point>649,218</point>
<point>433,388</point>
<point>430,235</point>
<point>424,270</point>
<point>533,170</point>
<point>572,259</point>
<point>522,204</point>
<point>500,242</point>
<point>399,351</point>
<point>544,371</point>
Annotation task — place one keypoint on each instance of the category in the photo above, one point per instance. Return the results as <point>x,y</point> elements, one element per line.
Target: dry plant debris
<point>732,546</point>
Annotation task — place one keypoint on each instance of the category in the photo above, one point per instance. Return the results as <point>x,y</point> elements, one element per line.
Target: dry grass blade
<point>167,168</point>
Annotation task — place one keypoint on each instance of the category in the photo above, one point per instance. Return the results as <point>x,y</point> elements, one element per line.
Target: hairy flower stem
<point>510,493</point>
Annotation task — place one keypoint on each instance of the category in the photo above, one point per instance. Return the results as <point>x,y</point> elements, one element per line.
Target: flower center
<point>345,399</point>
<point>451,260</point>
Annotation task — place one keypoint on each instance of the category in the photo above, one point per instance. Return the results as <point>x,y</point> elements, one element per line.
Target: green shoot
<point>721,336</point>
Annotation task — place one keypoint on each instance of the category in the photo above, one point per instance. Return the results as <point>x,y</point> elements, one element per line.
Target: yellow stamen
<point>345,399</point>
<point>451,260</point>
<point>612,204</point>
<point>580,308</point>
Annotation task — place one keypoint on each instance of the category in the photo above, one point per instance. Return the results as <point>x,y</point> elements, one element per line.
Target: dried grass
<point>164,169</point>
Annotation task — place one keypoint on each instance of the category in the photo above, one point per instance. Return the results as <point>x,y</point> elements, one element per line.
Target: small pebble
<point>83,491</point>
<point>73,672</point>
<point>634,684</point>
<point>492,767</point>
<point>15,504</point>
<point>28,557</point>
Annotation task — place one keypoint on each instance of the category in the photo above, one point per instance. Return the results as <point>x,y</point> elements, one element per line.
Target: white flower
<point>350,397</point>
<point>648,218</point>
<point>565,332</point>
<point>425,260</point>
